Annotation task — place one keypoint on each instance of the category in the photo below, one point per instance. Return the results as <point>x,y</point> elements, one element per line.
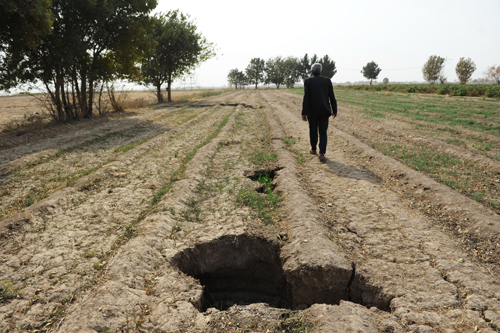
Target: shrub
<point>493,91</point>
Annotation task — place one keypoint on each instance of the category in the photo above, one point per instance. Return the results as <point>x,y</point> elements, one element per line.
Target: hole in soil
<point>264,177</point>
<point>237,270</point>
<point>244,270</point>
<point>256,174</point>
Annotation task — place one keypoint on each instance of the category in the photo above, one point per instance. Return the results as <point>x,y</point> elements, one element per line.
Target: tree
<point>464,69</point>
<point>179,51</point>
<point>304,67</point>
<point>291,67</point>
<point>493,73</point>
<point>275,71</point>
<point>386,81</point>
<point>255,71</point>
<point>89,42</point>
<point>328,65</point>
<point>237,78</point>
<point>433,68</point>
<point>371,71</point>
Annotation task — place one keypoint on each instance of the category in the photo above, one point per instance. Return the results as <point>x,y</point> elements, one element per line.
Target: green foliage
<point>7,291</point>
<point>237,79</point>
<point>261,158</point>
<point>180,49</point>
<point>90,42</point>
<point>291,68</point>
<point>329,68</point>
<point>371,71</point>
<point>420,159</point>
<point>386,81</point>
<point>255,71</point>
<point>275,71</point>
<point>24,22</point>
<point>265,203</point>
<point>493,91</point>
<point>433,68</point>
<point>289,141</point>
<point>472,90</point>
<point>464,69</point>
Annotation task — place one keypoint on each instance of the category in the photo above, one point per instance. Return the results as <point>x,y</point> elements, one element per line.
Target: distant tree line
<point>279,71</point>
<point>433,70</point>
<point>75,48</point>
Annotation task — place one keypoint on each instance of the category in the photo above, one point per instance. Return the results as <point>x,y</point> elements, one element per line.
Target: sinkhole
<point>264,177</point>
<point>237,270</point>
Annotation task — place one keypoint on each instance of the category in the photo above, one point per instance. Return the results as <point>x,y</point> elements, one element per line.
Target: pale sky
<point>398,35</point>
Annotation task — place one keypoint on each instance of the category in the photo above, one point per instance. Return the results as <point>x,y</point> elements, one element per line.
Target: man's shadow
<point>346,171</point>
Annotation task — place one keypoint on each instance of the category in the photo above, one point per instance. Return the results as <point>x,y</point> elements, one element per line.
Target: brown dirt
<point>138,225</point>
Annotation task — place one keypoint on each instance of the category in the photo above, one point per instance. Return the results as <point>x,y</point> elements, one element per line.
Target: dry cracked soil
<point>211,216</point>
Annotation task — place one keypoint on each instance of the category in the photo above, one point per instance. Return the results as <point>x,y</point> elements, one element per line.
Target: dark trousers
<point>318,125</point>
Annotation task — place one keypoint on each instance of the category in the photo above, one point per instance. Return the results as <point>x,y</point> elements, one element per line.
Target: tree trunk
<point>169,87</point>
<point>78,110</point>
<point>91,99</point>
<point>256,84</point>
<point>371,81</point>
<point>83,94</point>
<point>158,93</point>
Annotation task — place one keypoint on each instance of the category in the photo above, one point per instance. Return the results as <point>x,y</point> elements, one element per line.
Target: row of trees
<point>279,71</point>
<point>74,48</point>
<point>433,70</point>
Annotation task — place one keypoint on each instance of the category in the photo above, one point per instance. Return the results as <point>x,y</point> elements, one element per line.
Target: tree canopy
<point>371,71</point>
<point>464,69</point>
<point>237,78</point>
<point>328,66</point>
<point>275,71</point>
<point>433,68</point>
<point>89,42</point>
<point>255,71</point>
<point>24,22</point>
<point>180,49</point>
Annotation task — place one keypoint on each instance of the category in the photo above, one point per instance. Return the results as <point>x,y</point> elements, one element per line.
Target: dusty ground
<point>211,216</point>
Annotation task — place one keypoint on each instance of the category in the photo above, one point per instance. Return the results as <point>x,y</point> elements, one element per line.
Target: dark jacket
<point>318,96</point>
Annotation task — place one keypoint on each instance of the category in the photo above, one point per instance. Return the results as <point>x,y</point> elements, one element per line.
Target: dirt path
<point>215,218</point>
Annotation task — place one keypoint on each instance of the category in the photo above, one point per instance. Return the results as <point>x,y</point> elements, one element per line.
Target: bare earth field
<point>210,215</point>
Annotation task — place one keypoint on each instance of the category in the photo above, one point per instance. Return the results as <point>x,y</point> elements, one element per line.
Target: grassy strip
<point>126,148</point>
<point>474,114</point>
<point>131,229</point>
<point>44,190</point>
<point>265,203</point>
<point>179,173</point>
<point>472,90</point>
<point>465,177</point>
<point>202,94</point>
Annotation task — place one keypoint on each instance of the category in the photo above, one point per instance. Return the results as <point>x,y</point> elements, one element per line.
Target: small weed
<point>299,157</point>
<point>294,324</point>
<point>7,291</point>
<point>289,141</point>
<point>193,211</point>
<point>261,158</point>
<point>478,196</point>
<point>264,203</point>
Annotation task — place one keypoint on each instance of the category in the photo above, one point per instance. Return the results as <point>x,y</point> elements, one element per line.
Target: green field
<point>470,123</point>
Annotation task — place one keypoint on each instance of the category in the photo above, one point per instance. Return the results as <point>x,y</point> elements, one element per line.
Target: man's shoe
<point>322,157</point>
<point>313,152</point>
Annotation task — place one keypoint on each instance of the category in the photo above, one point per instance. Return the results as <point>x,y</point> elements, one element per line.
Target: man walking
<point>318,105</point>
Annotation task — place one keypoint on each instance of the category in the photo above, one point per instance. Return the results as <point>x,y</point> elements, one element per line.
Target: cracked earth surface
<point>141,217</point>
